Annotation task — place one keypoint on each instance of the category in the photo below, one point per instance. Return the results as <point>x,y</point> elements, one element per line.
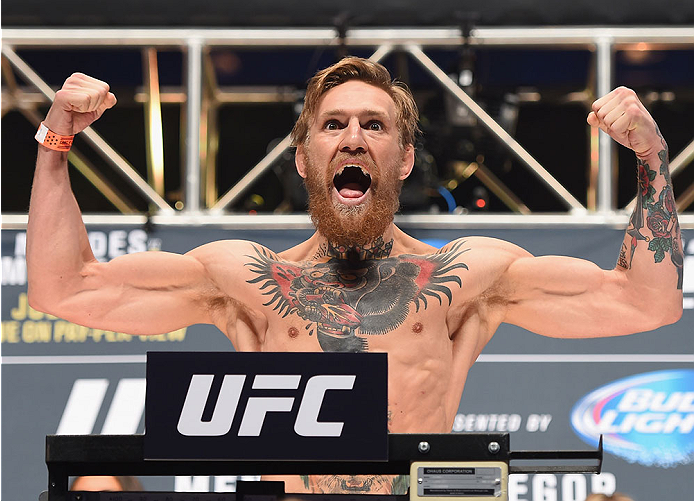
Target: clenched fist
<point>621,115</point>
<point>80,102</point>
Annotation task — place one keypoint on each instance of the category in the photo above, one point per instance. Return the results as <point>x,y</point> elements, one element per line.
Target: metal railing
<point>195,43</point>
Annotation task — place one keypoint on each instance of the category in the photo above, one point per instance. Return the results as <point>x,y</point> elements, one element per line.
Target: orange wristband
<point>53,141</point>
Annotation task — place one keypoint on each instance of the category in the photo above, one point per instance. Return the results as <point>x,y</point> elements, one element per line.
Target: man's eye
<point>332,125</point>
<point>374,126</point>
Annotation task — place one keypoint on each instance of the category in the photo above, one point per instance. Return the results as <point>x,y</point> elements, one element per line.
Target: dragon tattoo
<point>342,298</point>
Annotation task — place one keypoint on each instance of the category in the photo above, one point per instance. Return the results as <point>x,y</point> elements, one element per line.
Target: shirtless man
<point>360,283</point>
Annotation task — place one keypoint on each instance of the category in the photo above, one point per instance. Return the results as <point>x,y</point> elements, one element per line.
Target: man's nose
<point>353,137</point>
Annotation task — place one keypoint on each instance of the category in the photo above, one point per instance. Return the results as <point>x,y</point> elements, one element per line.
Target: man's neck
<point>380,248</point>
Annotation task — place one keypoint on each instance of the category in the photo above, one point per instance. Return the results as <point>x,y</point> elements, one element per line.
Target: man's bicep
<point>568,297</point>
<point>143,293</point>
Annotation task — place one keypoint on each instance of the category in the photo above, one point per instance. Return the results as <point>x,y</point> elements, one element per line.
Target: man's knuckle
<point>633,109</point>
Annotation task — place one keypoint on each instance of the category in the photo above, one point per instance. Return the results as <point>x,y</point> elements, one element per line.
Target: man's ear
<point>300,160</point>
<point>407,162</point>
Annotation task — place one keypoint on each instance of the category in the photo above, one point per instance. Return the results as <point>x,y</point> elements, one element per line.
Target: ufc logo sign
<point>266,406</point>
<point>191,423</point>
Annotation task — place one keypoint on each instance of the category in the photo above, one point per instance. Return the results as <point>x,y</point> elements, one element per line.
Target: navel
<point>293,332</point>
<point>417,327</point>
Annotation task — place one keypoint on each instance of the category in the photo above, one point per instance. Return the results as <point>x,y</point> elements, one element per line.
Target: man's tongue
<point>351,190</point>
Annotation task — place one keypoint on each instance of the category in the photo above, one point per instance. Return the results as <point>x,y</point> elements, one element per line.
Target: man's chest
<point>418,332</point>
<point>342,304</point>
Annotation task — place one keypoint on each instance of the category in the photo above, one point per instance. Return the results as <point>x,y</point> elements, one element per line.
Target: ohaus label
<point>260,406</point>
<point>646,418</point>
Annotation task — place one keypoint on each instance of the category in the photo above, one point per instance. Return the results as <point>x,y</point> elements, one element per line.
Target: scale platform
<point>329,417</point>
<point>441,467</point>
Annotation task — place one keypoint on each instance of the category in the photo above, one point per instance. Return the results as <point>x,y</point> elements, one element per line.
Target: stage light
<point>480,199</point>
<point>253,203</point>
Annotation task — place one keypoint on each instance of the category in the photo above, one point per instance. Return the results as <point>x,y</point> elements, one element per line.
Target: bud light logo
<point>646,419</point>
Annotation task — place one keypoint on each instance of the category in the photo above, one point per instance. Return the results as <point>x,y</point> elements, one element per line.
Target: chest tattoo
<point>345,300</point>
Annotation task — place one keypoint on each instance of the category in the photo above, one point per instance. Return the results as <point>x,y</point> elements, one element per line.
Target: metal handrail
<point>358,37</point>
<point>617,220</point>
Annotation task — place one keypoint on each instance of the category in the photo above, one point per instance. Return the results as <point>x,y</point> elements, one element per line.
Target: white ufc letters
<point>190,422</point>
<point>307,424</point>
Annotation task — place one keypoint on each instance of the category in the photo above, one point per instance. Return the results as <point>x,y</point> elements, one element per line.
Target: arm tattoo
<point>344,297</point>
<point>655,212</point>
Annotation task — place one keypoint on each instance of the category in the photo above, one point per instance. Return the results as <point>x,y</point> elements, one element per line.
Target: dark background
<point>225,13</point>
<point>552,129</point>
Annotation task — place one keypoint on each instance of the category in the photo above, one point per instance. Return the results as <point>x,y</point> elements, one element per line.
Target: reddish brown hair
<point>365,70</point>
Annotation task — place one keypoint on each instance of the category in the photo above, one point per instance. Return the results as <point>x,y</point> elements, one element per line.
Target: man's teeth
<point>363,171</point>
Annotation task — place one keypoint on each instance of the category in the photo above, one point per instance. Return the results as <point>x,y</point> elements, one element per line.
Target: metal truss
<point>201,96</point>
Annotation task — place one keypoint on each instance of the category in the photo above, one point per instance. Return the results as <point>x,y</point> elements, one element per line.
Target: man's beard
<point>353,225</point>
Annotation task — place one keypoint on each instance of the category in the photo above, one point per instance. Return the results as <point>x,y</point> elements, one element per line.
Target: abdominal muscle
<point>404,416</point>
<point>425,383</point>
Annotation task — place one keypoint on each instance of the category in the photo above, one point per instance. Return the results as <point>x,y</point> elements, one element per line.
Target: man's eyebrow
<point>368,113</point>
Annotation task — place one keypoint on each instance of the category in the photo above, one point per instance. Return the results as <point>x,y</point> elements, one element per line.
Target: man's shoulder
<point>486,259</point>
<point>230,251</point>
<point>480,254</point>
<point>492,248</point>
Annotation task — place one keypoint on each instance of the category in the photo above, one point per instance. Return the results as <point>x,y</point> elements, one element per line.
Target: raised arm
<point>564,297</point>
<point>654,220</point>
<point>146,293</point>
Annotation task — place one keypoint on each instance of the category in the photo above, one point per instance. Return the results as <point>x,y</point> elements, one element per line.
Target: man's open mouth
<point>352,181</point>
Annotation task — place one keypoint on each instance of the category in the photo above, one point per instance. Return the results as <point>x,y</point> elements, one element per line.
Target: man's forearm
<point>653,233</point>
<point>57,243</point>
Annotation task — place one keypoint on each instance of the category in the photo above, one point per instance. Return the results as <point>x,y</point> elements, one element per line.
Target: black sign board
<point>266,406</point>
